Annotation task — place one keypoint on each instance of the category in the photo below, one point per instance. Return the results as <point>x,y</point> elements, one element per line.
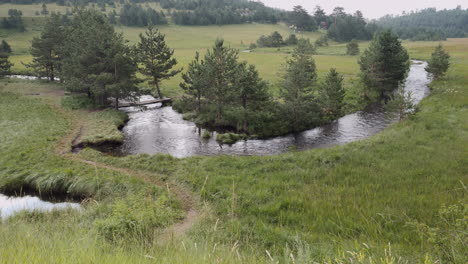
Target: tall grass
<point>366,192</point>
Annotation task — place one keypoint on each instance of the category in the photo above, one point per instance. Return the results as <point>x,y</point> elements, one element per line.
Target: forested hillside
<point>429,24</point>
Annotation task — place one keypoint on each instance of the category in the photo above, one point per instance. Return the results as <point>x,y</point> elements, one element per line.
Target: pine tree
<point>5,47</point>
<point>5,65</point>
<point>352,48</point>
<point>332,94</point>
<point>300,109</point>
<point>221,69</point>
<point>301,19</point>
<point>400,103</point>
<point>45,49</point>
<point>384,65</point>
<point>96,60</point>
<point>439,63</point>
<point>194,81</point>
<point>156,58</point>
<point>305,47</point>
<point>252,91</point>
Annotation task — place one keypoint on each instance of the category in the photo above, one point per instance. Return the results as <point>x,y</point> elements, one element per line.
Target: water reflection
<point>12,205</point>
<point>162,130</point>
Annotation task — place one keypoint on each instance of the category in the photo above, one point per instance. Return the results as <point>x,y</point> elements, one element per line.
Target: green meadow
<point>398,197</point>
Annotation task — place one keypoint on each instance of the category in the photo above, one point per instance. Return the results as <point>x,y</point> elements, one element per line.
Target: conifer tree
<point>439,63</point>
<point>194,82</point>
<point>45,49</point>
<point>5,47</point>
<point>384,65</point>
<point>300,108</point>
<point>156,58</point>
<point>5,65</point>
<point>221,68</point>
<point>252,91</point>
<point>352,48</point>
<point>332,94</point>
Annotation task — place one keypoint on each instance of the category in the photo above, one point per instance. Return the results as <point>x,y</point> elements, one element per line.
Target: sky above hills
<point>370,8</point>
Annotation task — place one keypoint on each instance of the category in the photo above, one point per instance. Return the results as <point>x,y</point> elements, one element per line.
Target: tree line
<point>135,15</point>
<point>224,93</point>
<point>429,24</point>
<point>89,57</point>
<point>14,20</point>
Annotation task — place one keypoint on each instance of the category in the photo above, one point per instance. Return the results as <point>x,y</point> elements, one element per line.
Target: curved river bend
<point>162,130</point>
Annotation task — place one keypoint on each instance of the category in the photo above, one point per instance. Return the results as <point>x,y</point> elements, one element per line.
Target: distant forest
<point>429,24</point>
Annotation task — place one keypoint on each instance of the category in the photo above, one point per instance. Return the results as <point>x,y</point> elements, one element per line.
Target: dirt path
<point>64,149</point>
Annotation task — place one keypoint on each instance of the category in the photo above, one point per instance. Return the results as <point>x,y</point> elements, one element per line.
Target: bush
<point>352,48</point>
<point>230,138</point>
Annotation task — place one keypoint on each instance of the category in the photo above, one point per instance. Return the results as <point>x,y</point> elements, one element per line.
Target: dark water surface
<point>162,130</point>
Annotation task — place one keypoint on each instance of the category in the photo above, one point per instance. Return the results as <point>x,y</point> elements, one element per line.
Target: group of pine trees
<point>224,92</point>
<point>90,57</point>
<point>135,15</point>
<point>14,20</point>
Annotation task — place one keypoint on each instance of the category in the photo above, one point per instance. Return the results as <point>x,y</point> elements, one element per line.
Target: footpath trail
<point>64,149</point>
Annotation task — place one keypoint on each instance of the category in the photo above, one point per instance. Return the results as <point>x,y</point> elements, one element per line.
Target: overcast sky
<point>370,8</point>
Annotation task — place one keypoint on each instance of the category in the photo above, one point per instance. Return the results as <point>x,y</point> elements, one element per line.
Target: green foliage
<point>14,20</point>
<point>5,65</point>
<point>291,40</point>
<point>400,103</point>
<point>46,49</point>
<point>305,47</point>
<point>448,235</point>
<point>224,92</point>
<point>137,217</point>
<point>352,48</point>
<point>134,15</point>
<point>428,24</point>
<point>439,63</point>
<point>221,12</point>
<point>332,94</point>
<point>297,87</point>
<point>75,102</point>
<point>156,58</point>
<point>5,47</point>
<point>346,27</point>
<point>301,20</point>
<point>273,40</point>
<point>230,138</point>
<point>322,41</point>
<point>96,60</point>
<point>384,64</point>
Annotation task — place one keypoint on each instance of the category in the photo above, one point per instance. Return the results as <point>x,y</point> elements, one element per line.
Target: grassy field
<point>398,197</point>
<point>369,199</point>
<point>187,40</point>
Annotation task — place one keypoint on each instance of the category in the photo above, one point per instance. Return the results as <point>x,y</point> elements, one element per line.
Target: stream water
<point>12,205</point>
<point>162,130</point>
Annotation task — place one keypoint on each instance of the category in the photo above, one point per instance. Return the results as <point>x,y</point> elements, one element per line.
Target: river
<point>163,130</point>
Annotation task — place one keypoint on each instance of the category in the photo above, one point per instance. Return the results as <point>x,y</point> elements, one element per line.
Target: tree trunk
<point>156,83</point>
<point>116,103</point>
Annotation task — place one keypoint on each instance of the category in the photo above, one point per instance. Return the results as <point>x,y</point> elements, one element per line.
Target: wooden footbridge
<point>143,102</point>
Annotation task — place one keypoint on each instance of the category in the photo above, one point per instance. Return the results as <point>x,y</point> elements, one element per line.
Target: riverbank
<point>372,198</point>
